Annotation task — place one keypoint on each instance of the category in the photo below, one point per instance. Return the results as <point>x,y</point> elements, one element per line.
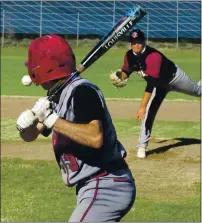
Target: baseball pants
<point>104,200</point>
<point>180,83</point>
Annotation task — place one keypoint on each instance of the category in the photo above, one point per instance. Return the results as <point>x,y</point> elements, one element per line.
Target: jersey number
<point>73,165</point>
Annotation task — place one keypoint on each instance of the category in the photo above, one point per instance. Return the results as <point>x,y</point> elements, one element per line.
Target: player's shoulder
<point>151,50</point>
<point>88,95</point>
<point>86,90</point>
<point>129,52</point>
<point>152,53</point>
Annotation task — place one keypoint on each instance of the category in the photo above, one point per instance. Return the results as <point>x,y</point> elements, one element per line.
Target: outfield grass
<point>13,69</point>
<point>32,191</point>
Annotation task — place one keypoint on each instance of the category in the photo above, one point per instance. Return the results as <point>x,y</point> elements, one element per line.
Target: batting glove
<point>41,109</point>
<point>51,119</point>
<point>116,80</point>
<point>25,120</point>
<point>44,113</point>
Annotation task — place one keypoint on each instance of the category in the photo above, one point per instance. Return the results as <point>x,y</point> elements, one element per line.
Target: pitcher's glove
<point>45,114</point>
<point>116,79</point>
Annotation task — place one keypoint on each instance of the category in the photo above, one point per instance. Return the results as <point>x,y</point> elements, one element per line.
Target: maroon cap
<point>137,35</point>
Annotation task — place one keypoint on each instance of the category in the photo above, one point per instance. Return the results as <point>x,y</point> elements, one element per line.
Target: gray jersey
<point>180,83</point>
<point>77,161</point>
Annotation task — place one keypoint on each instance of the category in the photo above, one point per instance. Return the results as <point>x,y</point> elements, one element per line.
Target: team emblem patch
<point>134,35</point>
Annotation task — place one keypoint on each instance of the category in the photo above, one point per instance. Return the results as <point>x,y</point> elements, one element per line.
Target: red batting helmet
<point>50,57</point>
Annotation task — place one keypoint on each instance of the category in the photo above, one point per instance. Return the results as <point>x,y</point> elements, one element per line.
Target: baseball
<point>26,80</point>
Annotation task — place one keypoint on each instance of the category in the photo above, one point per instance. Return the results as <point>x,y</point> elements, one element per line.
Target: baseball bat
<point>132,17</point>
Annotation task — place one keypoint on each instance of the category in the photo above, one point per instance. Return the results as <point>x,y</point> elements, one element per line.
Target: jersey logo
<point>71,162</point>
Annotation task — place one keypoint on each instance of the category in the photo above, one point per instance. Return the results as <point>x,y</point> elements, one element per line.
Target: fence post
<point>41,17</point>
<point>177,41</point>
<point>147,29</point>
<point>114,12</point>
<point>3,27</point>
<point>77,32</point>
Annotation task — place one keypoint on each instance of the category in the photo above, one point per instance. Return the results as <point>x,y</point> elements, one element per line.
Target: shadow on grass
<point>182,142</point>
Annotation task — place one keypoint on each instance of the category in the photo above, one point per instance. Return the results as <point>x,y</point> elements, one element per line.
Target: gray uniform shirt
<point>75,160</point>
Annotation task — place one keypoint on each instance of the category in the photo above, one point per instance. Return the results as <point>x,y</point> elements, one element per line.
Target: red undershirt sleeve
<point>153,64</point>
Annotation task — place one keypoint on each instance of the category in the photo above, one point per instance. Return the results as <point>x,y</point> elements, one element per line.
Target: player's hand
<point>41,109</point>
<point>25,120</point>
<point>141,113</point>
<point>116,80</point>
<point>50,119</point>
<point>141,73</point>
<point>44,113</point>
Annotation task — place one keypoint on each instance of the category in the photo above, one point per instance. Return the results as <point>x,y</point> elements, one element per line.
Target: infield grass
<point>124,127</point>
<point>13,69</point>
<point>34,192</point>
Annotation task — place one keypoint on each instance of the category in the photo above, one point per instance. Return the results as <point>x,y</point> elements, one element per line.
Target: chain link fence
<point>165,19</point>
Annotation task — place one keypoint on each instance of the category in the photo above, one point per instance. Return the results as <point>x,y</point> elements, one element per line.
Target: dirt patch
<point>171,163</point>
<point>170,110</point>
<point>35,150</point>
<point>12,107</point>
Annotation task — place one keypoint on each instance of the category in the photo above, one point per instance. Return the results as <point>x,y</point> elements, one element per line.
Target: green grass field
<point>13,69</point>
<point>33,191</point>
<point>124,127</point>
